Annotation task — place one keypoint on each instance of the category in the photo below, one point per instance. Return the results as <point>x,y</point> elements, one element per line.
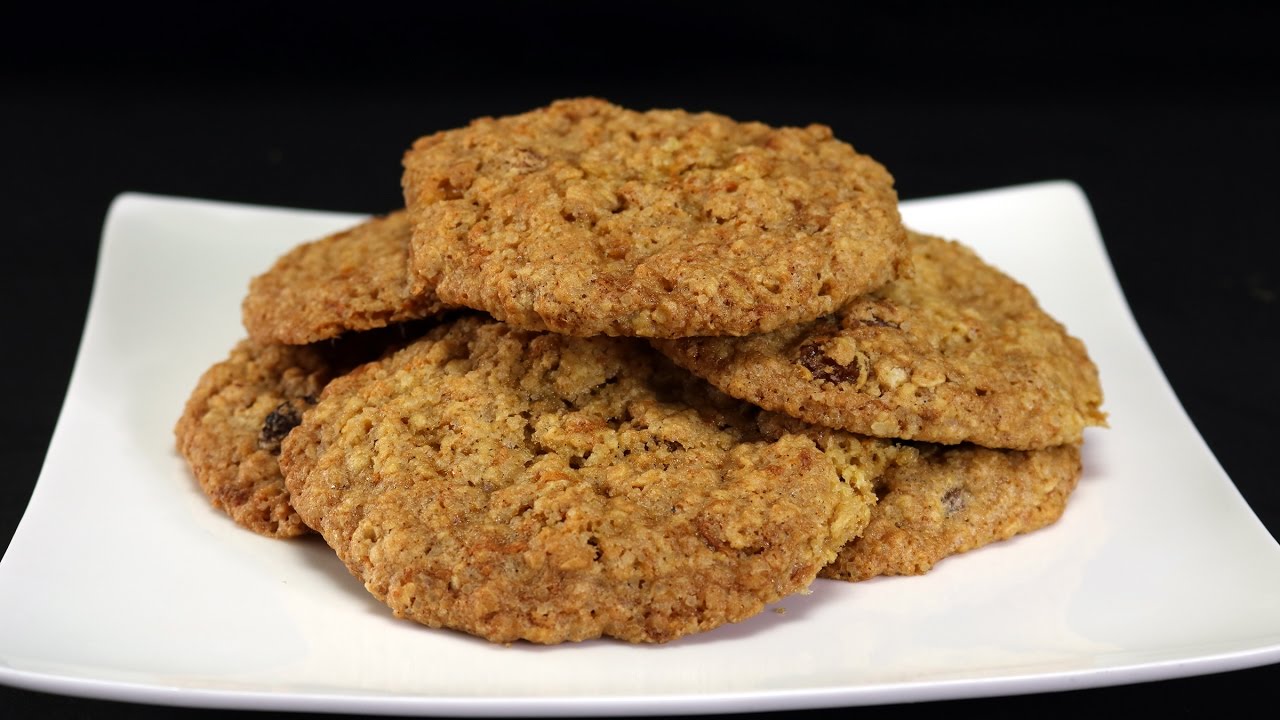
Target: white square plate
<point>123,583</point>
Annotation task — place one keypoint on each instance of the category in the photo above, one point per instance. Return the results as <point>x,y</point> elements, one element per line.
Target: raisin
<point>824,368</point>
<point>278,424</point>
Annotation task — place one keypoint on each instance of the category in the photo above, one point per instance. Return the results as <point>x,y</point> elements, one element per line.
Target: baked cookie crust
<point>958,352</point>
<point>949,500</point>
<point>353,280</point>
<point>232,425</point>
<point>243,407</point>
<point>586,218</point>
<point>518,485</point>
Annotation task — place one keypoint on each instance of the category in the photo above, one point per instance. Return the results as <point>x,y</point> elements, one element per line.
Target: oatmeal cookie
<point>518,485</point>
<point>243,406</point>
<point>952,499</point>
<point>585,218</point>
<point>354,280</point>
<point>231,428</point>
<point>959,352</point>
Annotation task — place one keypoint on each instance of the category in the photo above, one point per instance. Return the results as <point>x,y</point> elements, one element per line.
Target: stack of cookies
<point>637,375</point>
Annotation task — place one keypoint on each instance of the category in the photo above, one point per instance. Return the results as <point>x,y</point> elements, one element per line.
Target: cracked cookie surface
<point>519,485</point>
<point>959,352</point>
<point>354,280</point>
<point>585,218</point>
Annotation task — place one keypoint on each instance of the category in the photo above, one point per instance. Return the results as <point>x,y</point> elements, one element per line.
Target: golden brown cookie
<point>959,352</point>
<point>949,500</point>
<point>243,406</point>
<point>589,219</point>
<point>535,486</point>
<point>357,279</point>
<point>231,428</point>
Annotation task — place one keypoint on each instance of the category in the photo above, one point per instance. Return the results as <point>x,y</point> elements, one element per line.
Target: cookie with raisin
<point>231,428</point>
<point>242,408</point>
<point>948,500</point>
<point>957,352</point>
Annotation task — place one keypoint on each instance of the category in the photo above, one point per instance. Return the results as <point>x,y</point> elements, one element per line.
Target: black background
<point>1167,118</point>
